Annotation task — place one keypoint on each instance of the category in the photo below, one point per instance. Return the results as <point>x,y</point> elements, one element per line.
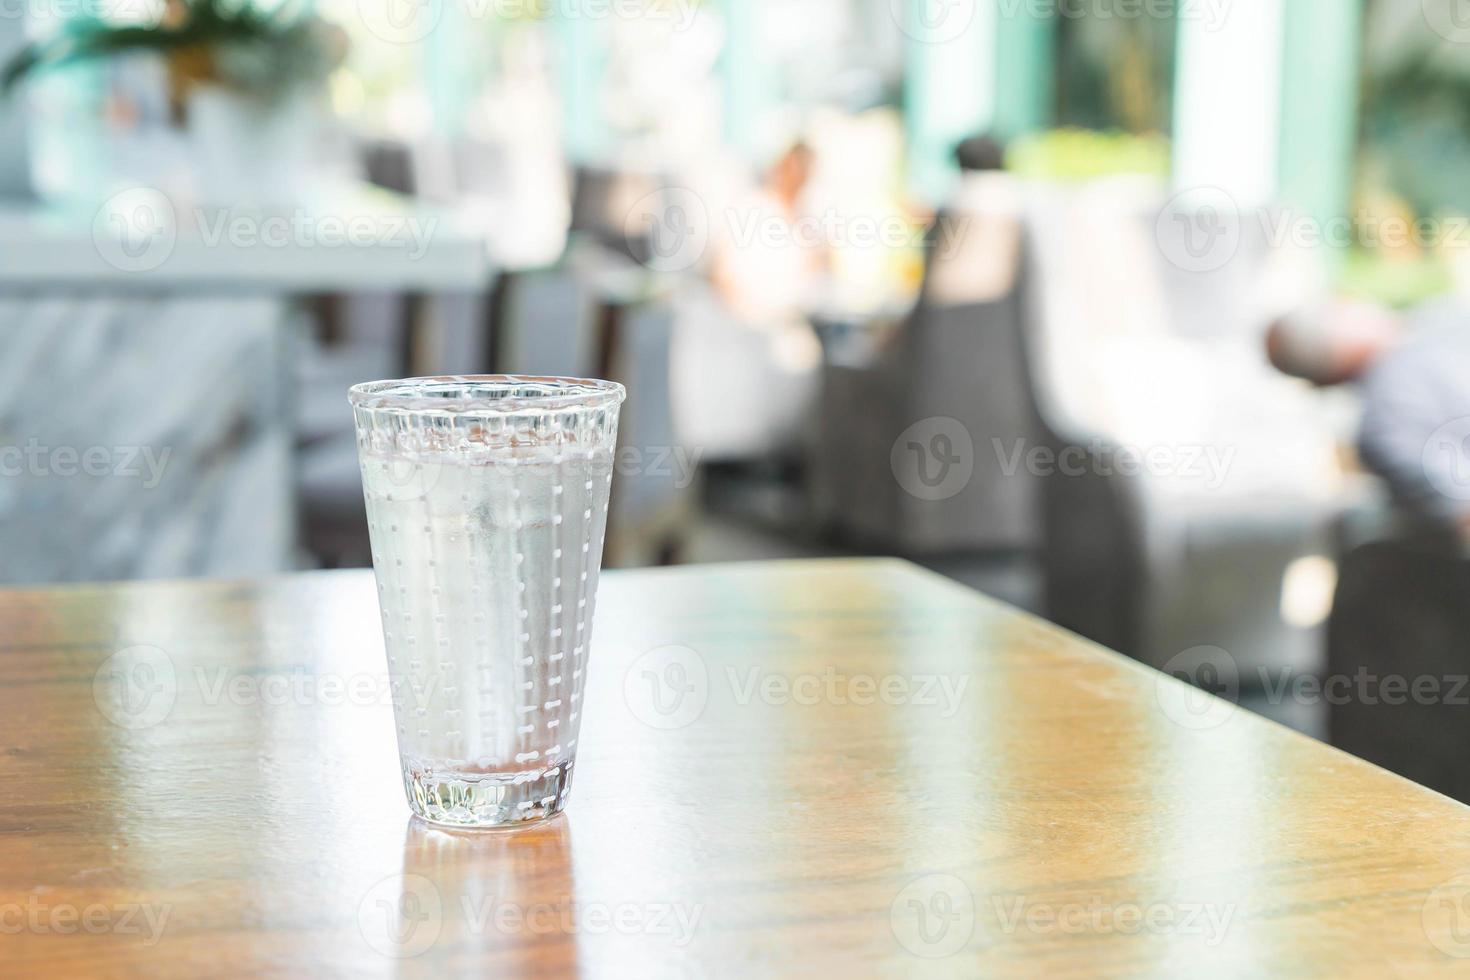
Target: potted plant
<point>243,81</point>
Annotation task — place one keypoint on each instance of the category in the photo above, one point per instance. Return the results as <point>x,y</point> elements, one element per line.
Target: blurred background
<point>1148,316</point>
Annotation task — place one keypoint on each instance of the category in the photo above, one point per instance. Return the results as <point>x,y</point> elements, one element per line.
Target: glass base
<point>458,798</point>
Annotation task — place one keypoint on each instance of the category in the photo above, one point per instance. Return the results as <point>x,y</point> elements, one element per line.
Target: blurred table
<point>342,238</point>
<point>348,238</point>
<point>851,768</point>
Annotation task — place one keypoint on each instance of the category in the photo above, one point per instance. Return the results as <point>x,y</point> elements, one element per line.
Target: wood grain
<point>819,801</point>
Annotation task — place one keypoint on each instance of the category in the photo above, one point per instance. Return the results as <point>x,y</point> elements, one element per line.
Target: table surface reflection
<point>785,768</point>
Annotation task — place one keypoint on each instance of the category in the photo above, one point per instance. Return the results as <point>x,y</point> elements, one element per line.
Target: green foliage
<point>1401,283</point>
<point>1076,155</point>
<point>1416,109</point>
<point>263,52</point>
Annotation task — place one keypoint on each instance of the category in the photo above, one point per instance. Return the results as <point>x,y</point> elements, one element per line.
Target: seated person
<point>1414,375</point>
<point>974,245</point>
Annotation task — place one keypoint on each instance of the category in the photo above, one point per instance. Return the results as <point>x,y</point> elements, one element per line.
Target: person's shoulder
<point>1436,345</point>
<point>1439,324</point>
<point>989,194</point>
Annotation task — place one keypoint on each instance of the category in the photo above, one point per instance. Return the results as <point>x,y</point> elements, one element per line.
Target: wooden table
<point>774,778</point>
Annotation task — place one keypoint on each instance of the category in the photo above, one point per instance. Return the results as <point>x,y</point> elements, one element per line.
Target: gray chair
<point>599,314</point>
<point>1157,565</point>
<point>953,381</point>
<point>1401,611</point>
<point>964,363</point>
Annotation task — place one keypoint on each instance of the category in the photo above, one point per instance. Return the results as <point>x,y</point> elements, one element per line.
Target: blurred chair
<point>1093,354</point>
<point>957,370</point>
<point>1401,612</point>
<point>965,363</point>
<point>604,201</point>
<point>368,345</point>
<point>742,392</point>
<point>371,336</point>
<point>1198,552</point>
<point>144,438</point>
<point>655,483</point>
<point>359,337</point>
<point>550,321</point>
<point>597,313</point>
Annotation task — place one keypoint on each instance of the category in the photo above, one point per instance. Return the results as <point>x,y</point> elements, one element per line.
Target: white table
<point>343,239</point>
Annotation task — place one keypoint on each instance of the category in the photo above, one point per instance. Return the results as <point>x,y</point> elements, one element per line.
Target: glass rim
<point>562,394</point>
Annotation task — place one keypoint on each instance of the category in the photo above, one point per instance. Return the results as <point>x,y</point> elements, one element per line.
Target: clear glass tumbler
<point>487,504</point>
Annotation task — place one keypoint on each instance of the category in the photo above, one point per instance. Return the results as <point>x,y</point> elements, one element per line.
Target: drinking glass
<point>487,505</point>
